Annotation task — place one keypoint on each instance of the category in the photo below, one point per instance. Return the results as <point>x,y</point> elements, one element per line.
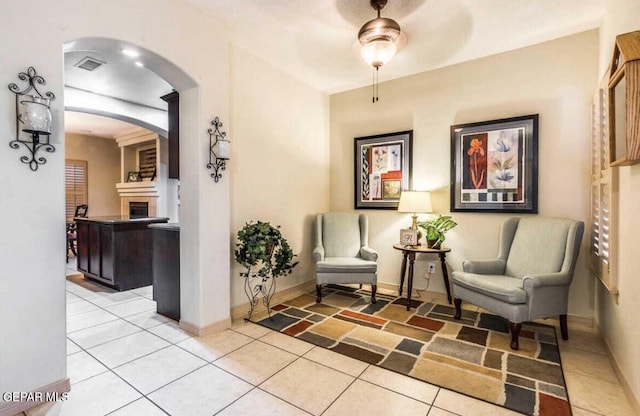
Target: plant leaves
<point>262,245</point>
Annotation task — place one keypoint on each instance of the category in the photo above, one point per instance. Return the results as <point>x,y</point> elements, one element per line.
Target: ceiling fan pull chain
<point>375,88</point>
<point>377,85</point>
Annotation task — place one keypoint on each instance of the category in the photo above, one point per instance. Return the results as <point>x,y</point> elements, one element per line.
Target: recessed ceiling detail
<point>90,63</point>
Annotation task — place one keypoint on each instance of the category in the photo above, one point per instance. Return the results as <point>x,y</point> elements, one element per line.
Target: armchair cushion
<point>538,246</point>
<point>341,235</point>
<point>504,288</point>
<point>345,265</point>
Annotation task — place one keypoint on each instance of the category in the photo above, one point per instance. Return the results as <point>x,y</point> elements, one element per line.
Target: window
<point>147,163</point>
<point>603,196</point>
<point>75,188</point>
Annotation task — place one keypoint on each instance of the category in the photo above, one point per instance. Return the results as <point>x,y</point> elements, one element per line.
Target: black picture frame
<point>382,169</point>
<point>494,166</point>
<point>133,176</point>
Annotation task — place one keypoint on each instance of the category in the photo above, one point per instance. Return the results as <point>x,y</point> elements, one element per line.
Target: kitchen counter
<point>168,226</point>
<point>119,219</point>
<point>116,251</point>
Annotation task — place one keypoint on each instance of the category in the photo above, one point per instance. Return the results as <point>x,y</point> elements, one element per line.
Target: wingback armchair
<point>342,253</point>
<point>530,278</point>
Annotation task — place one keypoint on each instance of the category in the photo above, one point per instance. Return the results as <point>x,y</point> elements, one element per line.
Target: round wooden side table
<point>409,252</point>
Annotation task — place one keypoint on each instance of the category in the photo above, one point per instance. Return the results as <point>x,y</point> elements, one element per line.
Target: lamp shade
<point>415,202</point>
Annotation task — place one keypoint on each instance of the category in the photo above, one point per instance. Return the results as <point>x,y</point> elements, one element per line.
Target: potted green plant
<point>435,229</point>
<point>265,254</point>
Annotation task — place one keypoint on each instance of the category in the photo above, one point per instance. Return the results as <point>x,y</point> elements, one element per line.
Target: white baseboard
<point>13,408</point>
<point>205,330</point>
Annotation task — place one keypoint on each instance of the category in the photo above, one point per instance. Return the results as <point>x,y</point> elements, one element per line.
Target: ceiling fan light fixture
<point>379,28</point>
<point>378,52</point>
<point>378,37</point>
<point>377,40</point>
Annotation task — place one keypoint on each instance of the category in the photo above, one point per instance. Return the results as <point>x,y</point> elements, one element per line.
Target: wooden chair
<point>72,235</point>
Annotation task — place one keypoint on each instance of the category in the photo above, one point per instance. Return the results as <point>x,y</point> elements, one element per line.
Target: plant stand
<point>254,288</point>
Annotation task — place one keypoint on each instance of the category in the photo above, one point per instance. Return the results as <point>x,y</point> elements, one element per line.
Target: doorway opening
<point>117,121</point>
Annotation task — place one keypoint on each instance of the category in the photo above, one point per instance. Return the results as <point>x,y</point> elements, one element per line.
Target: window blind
<point>602,198</point>
<point>76,182</point>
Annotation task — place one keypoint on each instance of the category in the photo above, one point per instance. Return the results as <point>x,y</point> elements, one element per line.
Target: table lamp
<point>415,202</point>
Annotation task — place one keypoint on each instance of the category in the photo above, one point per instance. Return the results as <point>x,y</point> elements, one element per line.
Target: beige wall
<point>617,315</point>
<point>103,166</point>
<point>35,201</point>
<point>554,79</point>
<point>279,167</point>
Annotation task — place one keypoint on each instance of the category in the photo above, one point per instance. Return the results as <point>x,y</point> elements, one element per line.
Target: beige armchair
<point>342,253</point>
<point>530,278</point>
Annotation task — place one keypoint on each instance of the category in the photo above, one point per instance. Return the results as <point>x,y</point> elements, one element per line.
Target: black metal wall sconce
<point>217,140</point>
<point>34,114</point>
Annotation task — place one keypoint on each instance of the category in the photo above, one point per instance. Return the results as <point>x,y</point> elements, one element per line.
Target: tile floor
<point>125,360</point>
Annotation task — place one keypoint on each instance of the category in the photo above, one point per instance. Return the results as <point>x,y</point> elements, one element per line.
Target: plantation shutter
<point>75,186</point>
<point>603,183</point>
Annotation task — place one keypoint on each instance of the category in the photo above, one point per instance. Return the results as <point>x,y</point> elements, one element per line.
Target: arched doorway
<point>122,106</point>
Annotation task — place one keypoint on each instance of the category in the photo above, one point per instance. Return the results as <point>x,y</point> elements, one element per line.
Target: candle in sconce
<point>36,115</point>
<point>223,149</point>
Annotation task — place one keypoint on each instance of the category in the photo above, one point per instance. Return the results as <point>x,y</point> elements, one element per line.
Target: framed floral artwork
<point>382,169</point>
<point>494,166</point>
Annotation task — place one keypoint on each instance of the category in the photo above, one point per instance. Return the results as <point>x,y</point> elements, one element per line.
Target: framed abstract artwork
<point>382,169</point>
<point>494,166</point>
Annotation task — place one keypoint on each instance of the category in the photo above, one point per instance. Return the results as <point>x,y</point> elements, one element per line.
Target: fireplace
<point>138,209</point>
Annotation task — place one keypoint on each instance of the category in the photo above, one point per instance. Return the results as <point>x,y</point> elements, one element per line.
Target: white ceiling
<point>118,77</point>
<point>94,125</point>
<point>131,79</point>
<point>315,41</point>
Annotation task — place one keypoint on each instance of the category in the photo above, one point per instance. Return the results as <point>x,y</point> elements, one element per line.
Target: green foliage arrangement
<point>435,229</point>
<point>261,246</point>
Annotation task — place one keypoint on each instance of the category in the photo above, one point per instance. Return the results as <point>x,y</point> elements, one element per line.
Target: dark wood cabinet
<point>173,103</point>
<point>116,252</point>
<point>166,269</point>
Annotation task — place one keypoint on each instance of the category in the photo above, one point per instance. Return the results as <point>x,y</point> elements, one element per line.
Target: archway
<point>124,106</point>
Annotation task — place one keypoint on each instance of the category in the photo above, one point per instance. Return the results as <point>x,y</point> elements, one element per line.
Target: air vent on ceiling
<point>90,63</point>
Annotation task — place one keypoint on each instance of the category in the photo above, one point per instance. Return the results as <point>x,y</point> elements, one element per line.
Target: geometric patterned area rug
<point>470,356</point>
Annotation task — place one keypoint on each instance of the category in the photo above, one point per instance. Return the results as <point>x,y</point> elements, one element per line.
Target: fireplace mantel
<point>159,194</point>
<point>138,189</point>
